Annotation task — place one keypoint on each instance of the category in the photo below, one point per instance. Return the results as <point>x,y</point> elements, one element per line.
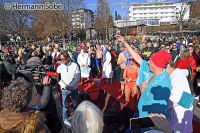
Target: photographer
<point>36,71</point>
<point>44,99</point>
<point>37,101</point>
<point>34,60</point>
<point>16,115</point>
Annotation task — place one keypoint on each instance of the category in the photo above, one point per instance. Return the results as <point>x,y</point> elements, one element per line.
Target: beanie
<point>161,58</point>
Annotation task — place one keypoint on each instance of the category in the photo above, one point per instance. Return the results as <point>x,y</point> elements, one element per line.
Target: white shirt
<point>70,75</point>
<point>83,59</point>
<point>180,118</point>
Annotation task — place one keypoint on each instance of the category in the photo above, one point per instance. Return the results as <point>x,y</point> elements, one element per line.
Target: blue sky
<point>115,4</point>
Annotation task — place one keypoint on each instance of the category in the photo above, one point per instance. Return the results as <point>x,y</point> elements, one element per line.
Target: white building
<point>155,14</point>
<point>82,18</point>
<point>124,23</point>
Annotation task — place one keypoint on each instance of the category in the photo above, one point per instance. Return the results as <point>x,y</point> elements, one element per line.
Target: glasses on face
<point>167,48</point>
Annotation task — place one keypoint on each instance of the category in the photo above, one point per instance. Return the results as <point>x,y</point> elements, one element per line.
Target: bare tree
<point>185,7</point>
<point>195,12</point>
<point>48,23</point>
<point>103,19</point>
<point>14,21</point>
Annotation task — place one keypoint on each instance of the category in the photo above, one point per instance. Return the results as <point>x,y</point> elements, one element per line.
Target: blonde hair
<point>184,54</point>
<point>87,118</point>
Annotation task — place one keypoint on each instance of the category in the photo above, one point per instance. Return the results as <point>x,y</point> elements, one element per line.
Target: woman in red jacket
<point>187,61</point>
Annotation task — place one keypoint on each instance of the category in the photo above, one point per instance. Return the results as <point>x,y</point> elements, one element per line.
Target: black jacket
<point>174,53</point>
<point>3,73</point>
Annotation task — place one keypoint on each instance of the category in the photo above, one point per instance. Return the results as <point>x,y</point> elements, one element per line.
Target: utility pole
<point>107,19</point>
<point>123,5</point>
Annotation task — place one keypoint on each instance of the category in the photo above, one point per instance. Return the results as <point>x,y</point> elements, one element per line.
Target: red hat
<point>161,58</point>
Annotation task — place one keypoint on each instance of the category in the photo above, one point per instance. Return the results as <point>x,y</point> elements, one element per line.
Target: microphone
<point>52,74</point>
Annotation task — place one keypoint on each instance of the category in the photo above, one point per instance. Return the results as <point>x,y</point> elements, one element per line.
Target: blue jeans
<point>65,94</point>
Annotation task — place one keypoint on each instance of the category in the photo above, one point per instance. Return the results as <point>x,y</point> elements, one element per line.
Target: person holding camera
<point>17,116</point>
<point>70,76</point>
<point>49,98</point>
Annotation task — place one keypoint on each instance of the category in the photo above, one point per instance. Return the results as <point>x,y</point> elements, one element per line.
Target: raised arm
<point>133,53</point>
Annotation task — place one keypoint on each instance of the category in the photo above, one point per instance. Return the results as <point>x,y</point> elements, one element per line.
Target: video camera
<point>39,72</point>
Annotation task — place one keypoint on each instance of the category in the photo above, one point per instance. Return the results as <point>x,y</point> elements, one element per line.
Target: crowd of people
<point>157,76</point>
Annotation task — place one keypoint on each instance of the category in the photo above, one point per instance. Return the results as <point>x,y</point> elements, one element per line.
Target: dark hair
<point>17,95</point>
<point>149,41</point>
<point>167,44</point>
<point>35,54</point>
<point>66,55</point>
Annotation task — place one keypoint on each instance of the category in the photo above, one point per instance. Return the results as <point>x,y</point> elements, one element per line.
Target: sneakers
<point>67,123</point>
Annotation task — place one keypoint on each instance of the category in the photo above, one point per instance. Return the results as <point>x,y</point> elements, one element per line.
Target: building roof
<point>131,26</point>
<point>158,3</point>
<point>84,9</point>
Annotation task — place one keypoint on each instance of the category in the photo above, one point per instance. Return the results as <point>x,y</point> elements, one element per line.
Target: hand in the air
<point>119,38</point>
